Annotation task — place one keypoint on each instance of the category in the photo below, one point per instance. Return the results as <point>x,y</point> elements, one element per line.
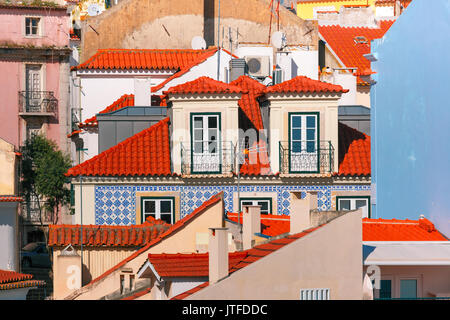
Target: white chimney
<point>218,254</point>
<point>251,225</point>
<point>300,211</point>
<point>142,95</point>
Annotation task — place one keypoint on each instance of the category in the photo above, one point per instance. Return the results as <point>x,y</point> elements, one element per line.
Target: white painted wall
<point>347,81</point>
<point>307,62</point>
<point>8,227</point>
<point>384,11</point>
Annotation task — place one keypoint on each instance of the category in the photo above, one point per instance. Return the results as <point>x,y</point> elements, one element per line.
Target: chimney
<point>300,211</point>
<point>67,273</point>
<point>251,224</point>
<point>142,96</point>
<point>218,254</point>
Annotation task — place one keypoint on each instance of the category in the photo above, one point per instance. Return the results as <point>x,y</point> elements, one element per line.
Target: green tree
<point>43,179</point>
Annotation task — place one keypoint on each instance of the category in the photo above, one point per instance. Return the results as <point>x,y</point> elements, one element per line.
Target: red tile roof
<point>257,161</point>
<point>138,59</point>
<point>354,152</point>
<point>15,280</point>
<point>10,199</point>
<point>248,102</point>
<point>188,265</point>
<point>204,85</point>
<point>107,236</point>
<point>271,225</point>
<point>127,100</point>
<point>138,294</point>
<point>351,52</point>
<point>253,255</point>
<point>400,230</point>
<point>304,84</point>
<point>172,230</point>
<point>147,153</point>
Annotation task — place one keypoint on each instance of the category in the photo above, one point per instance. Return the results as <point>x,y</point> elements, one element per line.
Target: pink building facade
<point>34,82</point>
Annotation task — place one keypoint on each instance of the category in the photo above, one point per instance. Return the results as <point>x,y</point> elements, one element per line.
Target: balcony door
<point>205,142</point>
<point>33,87</point>
<point>304,142</point>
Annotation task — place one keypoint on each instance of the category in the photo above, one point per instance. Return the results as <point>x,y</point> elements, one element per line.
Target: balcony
<point>208,158</point>
<point>30,213</point>
<point>306,157</point>
<point>37,103</point>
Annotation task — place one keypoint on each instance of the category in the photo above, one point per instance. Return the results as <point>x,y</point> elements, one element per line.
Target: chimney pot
<point>251,225</point>
<point>300,211</point>
<point>218,254</point>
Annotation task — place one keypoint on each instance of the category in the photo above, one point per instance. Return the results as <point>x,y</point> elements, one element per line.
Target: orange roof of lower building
<point>142,59</point>
<point>147,153</point>
<point>14,280</point>
<point>354,152</point>
<point>107,236</point>
<point>400,230</point>
<point>271,225</point>
<point>302,84</point>
<point>204,85</point>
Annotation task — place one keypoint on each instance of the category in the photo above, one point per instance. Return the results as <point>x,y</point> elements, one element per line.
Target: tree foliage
<point>43,168</point>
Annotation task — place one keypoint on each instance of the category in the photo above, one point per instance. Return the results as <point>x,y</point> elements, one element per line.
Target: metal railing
<point>37,102</point>
<point>218,159</point>
<point>306,157</point>
<point>31,213</point>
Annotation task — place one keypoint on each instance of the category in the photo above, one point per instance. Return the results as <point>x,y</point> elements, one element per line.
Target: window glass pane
<point>149,206</point>
<point>166,206</point>
<point>311,122</point>
<point>296,146</point>
<point>361,203</point>
<point>167,218</point>
<point>198,122</point>
<point>212,147</point>
<point>311,134</point>
<point>198,147</point>
<point>264,206</point>
<point>408,288</point>
<point>212,134</point>
<point>311,146</point>
<point>344,204</point>
<point>198,134</point>
<point>212,122</point>
<point>385,289</point>
<point>296,134</point>
<point>296,121</point>
<point>246,203</point>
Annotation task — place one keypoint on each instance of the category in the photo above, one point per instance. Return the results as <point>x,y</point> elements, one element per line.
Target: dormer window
<point>32,26</point>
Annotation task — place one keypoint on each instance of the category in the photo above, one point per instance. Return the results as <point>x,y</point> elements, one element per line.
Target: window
<point>265,203</point>
<point>385,289</point>
<point>354,203</point>
<point>408,288</point>
<point>304,142</point>
<point>32,26</point>
<point>205,142</point>
<point>315,294</point>
<point>158,208</point>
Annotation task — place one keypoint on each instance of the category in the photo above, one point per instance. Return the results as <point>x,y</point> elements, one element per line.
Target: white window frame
<point>206,161</point>
<point>301,161</point>
<point>366,209</point>
<point>255,202</point>
<point>158,208</point>
<point>39,27</point>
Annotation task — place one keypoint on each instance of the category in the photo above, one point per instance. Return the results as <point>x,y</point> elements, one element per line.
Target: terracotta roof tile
<point>147,153</point>
<point>158,59</point>
<point>188,265</point>
<point>271,225</point>
<point>107,236</point>
<point>257,161</point>
<point>400,230</point>
<point>343,41</point>
<point>354,152</point>
<point>304,84</point>
<point>204,85</point>
<point>15,280</point>
<point>10,199</point>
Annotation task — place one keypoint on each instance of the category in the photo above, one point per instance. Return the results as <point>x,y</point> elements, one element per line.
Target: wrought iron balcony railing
<point>306,157</point>
<point>37,102</point>
<point>30,213</point>
<point>208,158</point>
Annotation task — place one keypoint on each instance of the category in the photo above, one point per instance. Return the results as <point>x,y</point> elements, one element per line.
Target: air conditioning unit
<point>258,66</point>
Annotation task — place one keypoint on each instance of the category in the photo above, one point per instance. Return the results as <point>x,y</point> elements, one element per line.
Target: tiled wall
<point>116,205</point>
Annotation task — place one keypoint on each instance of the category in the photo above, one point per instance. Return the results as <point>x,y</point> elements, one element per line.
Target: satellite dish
<point>198,43</point>
<point>93,10</point>
<point>278,40</point>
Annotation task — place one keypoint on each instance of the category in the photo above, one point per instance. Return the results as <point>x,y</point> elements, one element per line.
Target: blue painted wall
<point>411,116</point>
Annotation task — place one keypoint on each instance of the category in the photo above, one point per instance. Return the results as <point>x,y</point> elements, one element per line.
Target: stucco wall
<point>8,236</point>
<point>314,261</point>
<point>8,177</point>
<point>173,24</point>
